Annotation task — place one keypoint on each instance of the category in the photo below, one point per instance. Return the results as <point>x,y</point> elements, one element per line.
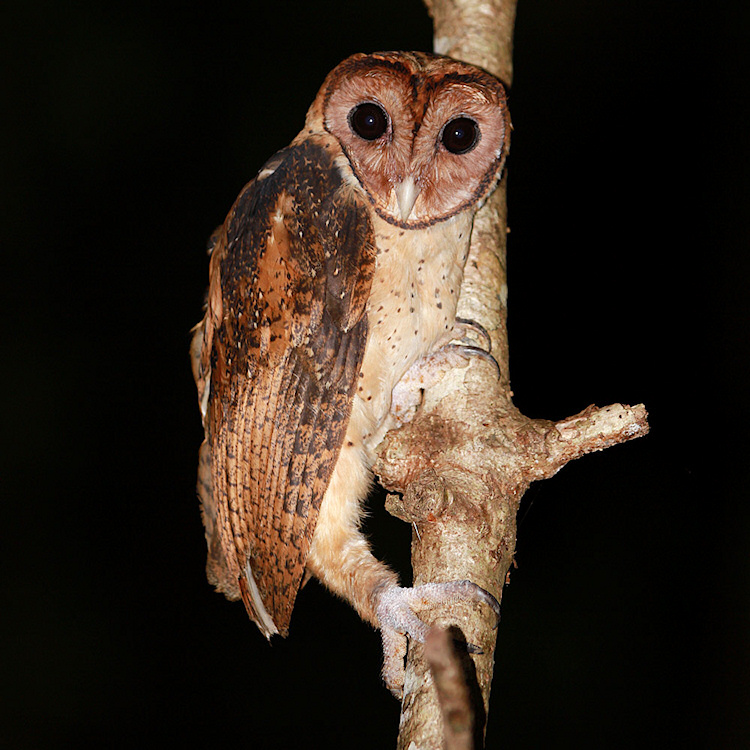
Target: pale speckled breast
<point>411,312</point>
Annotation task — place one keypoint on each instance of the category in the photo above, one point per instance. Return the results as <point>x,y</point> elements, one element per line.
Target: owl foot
<point>397,621</point>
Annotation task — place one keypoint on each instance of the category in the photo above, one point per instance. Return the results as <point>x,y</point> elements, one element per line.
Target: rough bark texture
<point>464,463</point>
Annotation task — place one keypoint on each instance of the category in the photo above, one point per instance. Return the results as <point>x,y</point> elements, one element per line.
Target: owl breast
<point>411,312</point>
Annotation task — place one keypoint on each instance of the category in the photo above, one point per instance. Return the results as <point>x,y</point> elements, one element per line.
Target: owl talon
<point>464,325</point>
<point>475,351</point>
<point>397,621</point>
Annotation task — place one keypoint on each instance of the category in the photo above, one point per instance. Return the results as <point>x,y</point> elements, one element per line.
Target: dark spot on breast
<point>439,305</point>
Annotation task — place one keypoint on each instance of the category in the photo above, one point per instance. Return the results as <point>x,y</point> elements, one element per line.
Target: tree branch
<point>464,463</point>
<point>452,691</point>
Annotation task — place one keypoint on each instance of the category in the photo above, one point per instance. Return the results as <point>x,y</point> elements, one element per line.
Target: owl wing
<point>276,362</point>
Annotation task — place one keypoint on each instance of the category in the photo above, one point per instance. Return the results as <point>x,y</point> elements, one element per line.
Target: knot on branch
<point>432,496</point>
<point>425,499</point>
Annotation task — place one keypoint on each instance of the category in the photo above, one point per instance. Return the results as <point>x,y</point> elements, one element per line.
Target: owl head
<point>425,136</point>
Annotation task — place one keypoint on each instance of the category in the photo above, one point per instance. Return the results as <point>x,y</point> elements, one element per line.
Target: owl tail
<point>254,603</point>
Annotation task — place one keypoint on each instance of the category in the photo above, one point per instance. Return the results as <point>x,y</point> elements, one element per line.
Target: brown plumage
<point>336,272</point>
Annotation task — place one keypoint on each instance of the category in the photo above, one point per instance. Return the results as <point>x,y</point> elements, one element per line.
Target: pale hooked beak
<point>406,195</point>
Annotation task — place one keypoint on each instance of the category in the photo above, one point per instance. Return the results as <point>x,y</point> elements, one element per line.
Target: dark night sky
<point>126,134</point>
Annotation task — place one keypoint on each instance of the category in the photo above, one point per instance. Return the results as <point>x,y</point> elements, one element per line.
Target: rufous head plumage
<point>426,136</point>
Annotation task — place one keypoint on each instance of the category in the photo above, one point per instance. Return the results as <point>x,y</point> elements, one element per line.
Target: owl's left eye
<point>368,120</point>
<point>459,136</point>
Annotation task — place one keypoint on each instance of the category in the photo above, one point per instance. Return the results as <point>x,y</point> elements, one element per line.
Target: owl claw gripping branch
<point>334,278</point>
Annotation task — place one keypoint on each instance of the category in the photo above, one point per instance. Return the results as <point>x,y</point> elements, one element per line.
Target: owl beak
<point>406,195</point>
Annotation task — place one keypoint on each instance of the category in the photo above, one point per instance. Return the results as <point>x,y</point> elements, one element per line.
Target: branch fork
<point>461,480</point>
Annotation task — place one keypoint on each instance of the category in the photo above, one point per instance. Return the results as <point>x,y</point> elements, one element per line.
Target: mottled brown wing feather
<point>280,350</point>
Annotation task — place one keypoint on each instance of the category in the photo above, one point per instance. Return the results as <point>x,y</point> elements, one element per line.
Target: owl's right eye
<point>460,136</point>
<point>368,120</point>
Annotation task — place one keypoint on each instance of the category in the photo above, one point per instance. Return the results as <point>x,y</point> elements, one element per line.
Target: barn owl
<point>333,280</point>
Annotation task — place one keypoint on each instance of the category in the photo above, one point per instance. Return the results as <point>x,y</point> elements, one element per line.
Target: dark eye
<point>460,135</point>
<point>368,121</point>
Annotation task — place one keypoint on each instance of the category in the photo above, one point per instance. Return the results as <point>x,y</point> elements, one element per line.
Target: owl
<point>333,286</point>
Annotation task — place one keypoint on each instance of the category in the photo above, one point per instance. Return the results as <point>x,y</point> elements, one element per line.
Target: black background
<point>128,129</point>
